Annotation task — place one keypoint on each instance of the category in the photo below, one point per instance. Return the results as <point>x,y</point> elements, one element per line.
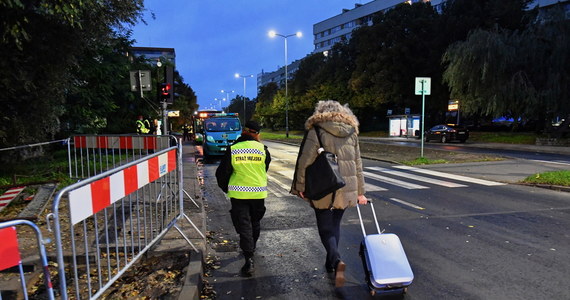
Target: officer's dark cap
<point>252,126</point>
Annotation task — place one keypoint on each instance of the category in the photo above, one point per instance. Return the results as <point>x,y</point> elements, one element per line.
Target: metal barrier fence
<point>105,223</point>
<point>90,155</point>
<point>10,253</point>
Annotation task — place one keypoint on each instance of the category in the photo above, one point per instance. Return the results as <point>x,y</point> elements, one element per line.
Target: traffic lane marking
<point>451,176</point>
<point>418,178</point>
<point>400,183</point>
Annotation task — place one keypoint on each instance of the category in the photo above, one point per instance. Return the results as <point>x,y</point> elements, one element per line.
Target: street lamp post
<point>237,75</point>
<point>220,102</point>
<point>227,93</point>
<point>272,34</point>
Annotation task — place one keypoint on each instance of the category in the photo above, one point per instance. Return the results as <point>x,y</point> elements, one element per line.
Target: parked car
<point>447,133</point>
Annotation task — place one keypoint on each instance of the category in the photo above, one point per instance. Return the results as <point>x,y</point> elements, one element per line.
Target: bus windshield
<point>222,124</point>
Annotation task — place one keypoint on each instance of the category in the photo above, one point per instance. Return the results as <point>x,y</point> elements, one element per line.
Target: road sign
<point>453,105</point>
<point>423,86</point>
<point>173,113</point>
<point>142,78</point>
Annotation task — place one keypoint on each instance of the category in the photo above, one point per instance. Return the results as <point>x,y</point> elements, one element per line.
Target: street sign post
<point>140,81</point>
<point>423,87</point>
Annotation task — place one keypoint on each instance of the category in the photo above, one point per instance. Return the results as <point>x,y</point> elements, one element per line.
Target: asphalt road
<point>476,237</point>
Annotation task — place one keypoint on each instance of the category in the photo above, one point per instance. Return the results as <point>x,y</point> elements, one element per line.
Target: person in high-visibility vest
<point>141,127</point>
<point>242,174</point>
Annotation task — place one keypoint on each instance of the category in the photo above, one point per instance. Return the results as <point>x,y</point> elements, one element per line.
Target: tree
<point>237,106</point>
<point>43,46</point>
<point>263,110</point>
<point>185,102</point>
<point>518,74</point>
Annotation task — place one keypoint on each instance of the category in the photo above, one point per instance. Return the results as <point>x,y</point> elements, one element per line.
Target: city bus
<point>198,123</point>
<point>218,131</point>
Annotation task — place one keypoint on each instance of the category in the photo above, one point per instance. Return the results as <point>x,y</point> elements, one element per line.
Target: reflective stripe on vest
<point>249,179</point>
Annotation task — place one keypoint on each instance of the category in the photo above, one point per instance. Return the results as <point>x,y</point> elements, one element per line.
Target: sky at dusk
<point>214,39</point>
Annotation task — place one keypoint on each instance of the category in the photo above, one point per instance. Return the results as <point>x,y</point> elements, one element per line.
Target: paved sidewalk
<point>173,242</point>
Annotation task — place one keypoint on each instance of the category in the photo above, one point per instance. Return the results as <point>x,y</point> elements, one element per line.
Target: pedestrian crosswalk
<point>379,179</point>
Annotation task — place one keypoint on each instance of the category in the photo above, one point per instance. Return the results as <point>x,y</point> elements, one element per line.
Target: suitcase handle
<point>362,223</point>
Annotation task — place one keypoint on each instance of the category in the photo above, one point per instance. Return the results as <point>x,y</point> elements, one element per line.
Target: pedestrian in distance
<point>186,132</point>
<point>242,174</point>
<point>338,128</point>
<point>151,125</point>
<point>141,126</point>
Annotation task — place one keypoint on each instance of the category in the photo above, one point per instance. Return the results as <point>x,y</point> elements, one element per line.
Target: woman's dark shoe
<point>248,268</point>
<point>339,277</point>
<point>330,269</point>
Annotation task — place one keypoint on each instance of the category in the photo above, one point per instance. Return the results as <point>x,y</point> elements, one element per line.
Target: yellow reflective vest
<point>249,178</point>
<point>141,128</point>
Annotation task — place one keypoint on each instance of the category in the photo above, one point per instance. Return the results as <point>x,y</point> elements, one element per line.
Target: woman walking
<point>338,130</point>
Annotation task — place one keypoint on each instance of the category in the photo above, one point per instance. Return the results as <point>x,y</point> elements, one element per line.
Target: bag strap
<point>317,131</point>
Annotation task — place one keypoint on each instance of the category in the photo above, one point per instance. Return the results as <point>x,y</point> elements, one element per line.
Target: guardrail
<point>105,223</point>
<point>90,155</point>
<point>11,257</point>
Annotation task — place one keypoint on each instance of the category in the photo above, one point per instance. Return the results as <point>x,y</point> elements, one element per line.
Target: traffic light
<point>165,91</point>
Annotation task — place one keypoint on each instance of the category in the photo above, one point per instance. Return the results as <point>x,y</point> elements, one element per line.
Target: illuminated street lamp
<point>237,75</point>
<point>220,102</point>
<point>272,34</point>
<point>227,93</point>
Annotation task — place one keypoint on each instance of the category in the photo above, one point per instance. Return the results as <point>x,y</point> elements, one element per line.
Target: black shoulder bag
<point>322,177</point>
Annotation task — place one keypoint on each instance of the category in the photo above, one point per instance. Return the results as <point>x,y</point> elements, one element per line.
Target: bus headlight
<point>210,139</point>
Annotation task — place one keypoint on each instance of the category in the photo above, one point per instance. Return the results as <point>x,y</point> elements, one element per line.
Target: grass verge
<point>561,178</point>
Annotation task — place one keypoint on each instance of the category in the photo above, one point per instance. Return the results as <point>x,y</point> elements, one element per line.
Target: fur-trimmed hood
<point>336,123</point>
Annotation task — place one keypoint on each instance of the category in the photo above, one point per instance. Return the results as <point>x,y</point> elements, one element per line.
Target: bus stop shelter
<point>404,125</point>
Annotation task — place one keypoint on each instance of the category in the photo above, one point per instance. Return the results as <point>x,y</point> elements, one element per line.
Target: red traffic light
<point>165,89</point>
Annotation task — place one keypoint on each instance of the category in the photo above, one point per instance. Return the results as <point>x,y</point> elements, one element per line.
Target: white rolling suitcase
<point>385,263</point>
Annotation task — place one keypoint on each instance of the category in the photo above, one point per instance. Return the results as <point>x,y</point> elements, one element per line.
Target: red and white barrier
<point>116,142</point>
<point>92,198</point>
<point>10,195</point>
<point>9,248</point>
<point>10,255</point>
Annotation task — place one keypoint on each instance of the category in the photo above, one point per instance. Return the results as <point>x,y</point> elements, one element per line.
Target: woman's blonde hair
<point>325,106</point>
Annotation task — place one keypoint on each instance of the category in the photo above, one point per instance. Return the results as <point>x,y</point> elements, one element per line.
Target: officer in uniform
<point>141,127</point>
<point>242,174</point>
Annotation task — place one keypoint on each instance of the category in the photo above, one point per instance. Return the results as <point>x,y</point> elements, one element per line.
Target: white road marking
<point>407,203</point>
<point>373,188</point>
<point>279,183</point>
<point>406,185</point>
<point>418,178</point>
<point>551,162</point>
<point>287,173</point>
<point>451,176</point>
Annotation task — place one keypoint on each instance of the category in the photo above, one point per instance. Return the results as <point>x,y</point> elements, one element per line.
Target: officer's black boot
<point>248,268</point>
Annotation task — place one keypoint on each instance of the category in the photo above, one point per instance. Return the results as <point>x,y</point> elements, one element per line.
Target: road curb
<point>548,186</point>
<point>192,288</point>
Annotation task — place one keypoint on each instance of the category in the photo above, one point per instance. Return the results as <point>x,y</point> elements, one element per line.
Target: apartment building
<point>278,76</point>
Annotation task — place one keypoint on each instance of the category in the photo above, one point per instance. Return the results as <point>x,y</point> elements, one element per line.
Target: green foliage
<point>503,137</point>
<point>186,103</point>
<point>238,104</point>
<point>522,75</point>
<point>561,178</point>
<point>424,161</point>
<point>54,50</point>
<point>279,135</point>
